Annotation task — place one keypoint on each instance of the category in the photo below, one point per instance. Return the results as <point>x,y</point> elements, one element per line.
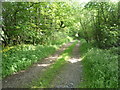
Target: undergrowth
<point>21,57</point>
<point>100,67</point>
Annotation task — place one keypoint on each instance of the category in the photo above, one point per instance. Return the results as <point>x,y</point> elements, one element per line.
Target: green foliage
<point>99,23</point>
<point>100,67</point>
<point>35,23</point>
<point>59,38</point>
<point>53,70</point>
<point>22,56</point>
<point>84,48</point>
<point>109,37</point>
<point>55,23</point>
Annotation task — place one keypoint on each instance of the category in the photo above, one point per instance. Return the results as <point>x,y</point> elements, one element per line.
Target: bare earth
<point>71,75</point>
<point>22,78</point>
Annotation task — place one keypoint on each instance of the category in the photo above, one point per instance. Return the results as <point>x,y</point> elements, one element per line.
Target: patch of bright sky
<point>114,0</point>
<point>86,1</point>
<point>83,2</point>
<point>80,3</point>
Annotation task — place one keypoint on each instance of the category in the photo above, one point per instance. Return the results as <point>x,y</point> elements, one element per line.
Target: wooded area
<point>39,28</point>
<point>46,23</point>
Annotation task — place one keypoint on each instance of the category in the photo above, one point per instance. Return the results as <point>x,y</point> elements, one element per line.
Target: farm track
<point>71,75</point>
<point>24,77</point>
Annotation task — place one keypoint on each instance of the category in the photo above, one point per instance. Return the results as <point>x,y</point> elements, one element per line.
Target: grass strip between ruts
<point>53,70</point>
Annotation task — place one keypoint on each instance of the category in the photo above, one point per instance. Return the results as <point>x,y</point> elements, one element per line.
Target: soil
<point>71,75</point>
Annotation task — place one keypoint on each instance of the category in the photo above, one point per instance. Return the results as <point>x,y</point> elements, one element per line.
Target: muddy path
<point>24,77</point>
<point>71,75</point>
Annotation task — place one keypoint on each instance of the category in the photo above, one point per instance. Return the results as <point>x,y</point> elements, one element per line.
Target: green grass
<point>100,67</point>
<point>21,57</point>
<point>53,70</point>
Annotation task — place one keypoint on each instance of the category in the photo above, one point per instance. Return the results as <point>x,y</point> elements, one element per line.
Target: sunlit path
<point>59,44</point>
<point>24,77</point>
<point>71,75</point>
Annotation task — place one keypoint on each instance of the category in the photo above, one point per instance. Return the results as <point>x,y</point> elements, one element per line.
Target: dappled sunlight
<point>22,56</point>
<point>74,60</point>
<point>42,37</point>
<point>63,48</point>
<point>7,49</point>
<point>52,57</point>
<point>15,73</point>
<point>43,65</point>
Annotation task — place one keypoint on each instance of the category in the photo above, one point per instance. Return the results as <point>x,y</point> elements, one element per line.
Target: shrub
<point>100,67</point>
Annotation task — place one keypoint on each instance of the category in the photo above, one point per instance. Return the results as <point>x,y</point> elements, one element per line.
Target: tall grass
<point>100,67</point>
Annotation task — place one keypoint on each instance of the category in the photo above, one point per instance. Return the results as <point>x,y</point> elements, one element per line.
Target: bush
<point>100,67</point>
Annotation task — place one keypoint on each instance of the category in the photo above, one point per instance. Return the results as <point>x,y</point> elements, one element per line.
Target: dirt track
<point>22,78</point>
<point>71,75</point>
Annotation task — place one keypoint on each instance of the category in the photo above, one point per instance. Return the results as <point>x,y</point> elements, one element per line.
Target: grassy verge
<point>21,57</point>
<point>53,70</point>
<point>100,67</point>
